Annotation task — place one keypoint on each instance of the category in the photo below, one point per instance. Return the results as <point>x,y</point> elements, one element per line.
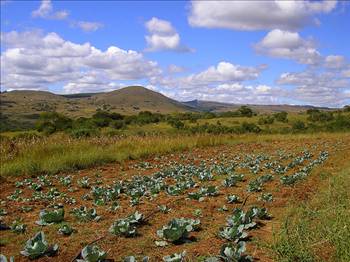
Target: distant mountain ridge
<point>212,106</point>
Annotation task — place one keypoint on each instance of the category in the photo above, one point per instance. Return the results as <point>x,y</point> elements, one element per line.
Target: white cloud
<point>174,69</point>
<point>257,15</point>
<point>49,59</point>
<point>222,82</point>
<point>163,36</point>
<point>90,82</point>
<point>289,45</point>
<point>323,88</point>
<point>230,93</point>
<point>335,61</point>
<point>45,10</point>
<point>89,26</point>
<point>346,73</point>
<point>223,72</point>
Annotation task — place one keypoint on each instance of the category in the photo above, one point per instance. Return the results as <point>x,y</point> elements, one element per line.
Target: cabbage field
<point>211,204</point>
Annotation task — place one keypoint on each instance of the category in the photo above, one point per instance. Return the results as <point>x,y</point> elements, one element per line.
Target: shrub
<point>340,123</point>
<point>298,125</point>
<point>83,132</point>
<point>245,111</point>
<point>318,116</point>
<point>176,123</point>
<point>118,124</point>
<point>281,116</point>
<point>50,122</point>
<point>249,128</point>
<point>268,120</point>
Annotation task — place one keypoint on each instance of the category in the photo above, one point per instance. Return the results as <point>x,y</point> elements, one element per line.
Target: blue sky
<point>261,52</point>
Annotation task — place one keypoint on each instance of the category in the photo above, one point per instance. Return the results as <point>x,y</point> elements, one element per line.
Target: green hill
<point>22,108</point>
<point>133,99</point>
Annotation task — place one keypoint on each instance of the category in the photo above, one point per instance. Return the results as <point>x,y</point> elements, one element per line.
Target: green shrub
<point>318,116</point>
<point>298,125</point>
<point>176,123</point>
<point>83,132</point>
<point>118,124</point>
<point>341,123</point>
<point>249,128</point>
<point>268,120</point>
<point>245,111</point>
<point>281,116</point>
<point>50,122</point>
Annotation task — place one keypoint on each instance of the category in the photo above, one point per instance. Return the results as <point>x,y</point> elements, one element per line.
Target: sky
<point>255,52</point>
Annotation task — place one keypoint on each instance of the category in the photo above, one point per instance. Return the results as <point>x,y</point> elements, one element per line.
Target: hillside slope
<point>22,108</point>
<point>133,99</point>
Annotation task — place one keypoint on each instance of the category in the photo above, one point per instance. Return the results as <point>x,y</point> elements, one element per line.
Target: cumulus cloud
<point>90,82</point>
<point>89,26</point>
<point>323,88</point>
<point>45,10</point>
<point>174,69</point>
<point>335,61</point>
<point>223,72</point>
<point>163,36</point>
<point>346,73</point>
<point>49,59</point>
<point>289,45</point>
<point>257,15</point>
<point>237,93</point>
<point>222,82</point>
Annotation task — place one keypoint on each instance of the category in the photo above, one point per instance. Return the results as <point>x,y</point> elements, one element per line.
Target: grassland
<point>61,153</point>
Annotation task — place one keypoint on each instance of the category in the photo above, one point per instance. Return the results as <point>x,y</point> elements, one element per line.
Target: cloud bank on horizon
<point>260,52</point>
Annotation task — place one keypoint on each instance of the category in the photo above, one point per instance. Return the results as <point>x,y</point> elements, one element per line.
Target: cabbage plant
<point>37,247</point>
<point>175,257</point>
<point>92,253</point>
<point>178,229</point>
<point>84,214</point>
<point>48,217</point>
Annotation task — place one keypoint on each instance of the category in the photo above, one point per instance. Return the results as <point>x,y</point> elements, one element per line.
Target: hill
<point>22,108</point>
<point>133,99</point>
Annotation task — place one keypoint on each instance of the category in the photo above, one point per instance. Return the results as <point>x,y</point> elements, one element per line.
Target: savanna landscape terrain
<point>267,185</point>
<point>175,131</point>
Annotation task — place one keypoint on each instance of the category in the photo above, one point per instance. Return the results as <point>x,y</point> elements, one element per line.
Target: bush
<point>118,124</point>
<point>50,122</point>
<point>318,116</point>
<point>249,128</point>
<point>268,120</point>
<point>83,132</point>
<point>281,116</point>
<point>298,125</point>
<point>245,111</point>
<point>176,123</point>
<point>340,123</point>
<point>103,118</point>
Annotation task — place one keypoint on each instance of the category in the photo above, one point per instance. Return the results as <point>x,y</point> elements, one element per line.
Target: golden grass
<point>61,153</point>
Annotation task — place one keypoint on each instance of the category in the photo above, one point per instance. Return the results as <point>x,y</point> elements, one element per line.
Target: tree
<point>281,116</point>
<point>298,125</point>
<point>246,111</point>
<point>50,122</point>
